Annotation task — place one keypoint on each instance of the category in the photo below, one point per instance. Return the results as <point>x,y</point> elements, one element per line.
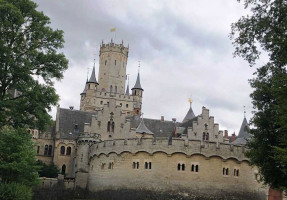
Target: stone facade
<point>106,145</point>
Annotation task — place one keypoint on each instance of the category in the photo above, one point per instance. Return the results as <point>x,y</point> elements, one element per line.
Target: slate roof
<point>93,77</point>
<point>158,127</point>
<point>243,135</point>
<point>128,90</point>
<point>189,115</point>
<point>69,118</point>
<point>143,129</point>
<point>85,89</point>
<point>138,83</point>
<point>188,123</point>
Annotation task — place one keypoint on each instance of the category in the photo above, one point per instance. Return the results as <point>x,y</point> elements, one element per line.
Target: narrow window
<point>63,169</point>
<point>108,103</point>
<point>113,126</point>
<point>138,112</point>
<point>46,150</point>
<point>89,86</point>
<point>203,136</point>
<point>121,104</point>
<point>62,150</point>
<point>110,165</point>
<point>196,168</point>
<point>116,89</point>
<point>207,136</point>
<point>149,165</point>
<point>101,102</point>
<point>134,165</point>
<point>192,168</point>
<point>76,128</point>
<point>115,62</point>
<point>127,105</point>
<point>183,167</point>
<point>178,167</point>
<point>237,173</point>
<point>105,62</point>
<point>138,165</point>
<point>111,88</point>
<point>69,149</point>
<point>223,171</point>
<point>50,150</point>
<point>234,172</point>
<point>38,149</point>
<point>145,165</point>
<point>226,171</point>
<point>108,126</point>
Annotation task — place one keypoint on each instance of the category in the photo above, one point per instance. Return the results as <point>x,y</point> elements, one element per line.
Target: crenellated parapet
<point>119,48</point>
<point>186,147</point>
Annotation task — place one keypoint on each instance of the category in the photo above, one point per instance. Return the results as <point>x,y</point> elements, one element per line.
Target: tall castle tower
<point>113,65</point>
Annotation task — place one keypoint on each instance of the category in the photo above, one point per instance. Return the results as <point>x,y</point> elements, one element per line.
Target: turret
<point>190,114</point>
<point>112,69</point>
<point>137,89</point>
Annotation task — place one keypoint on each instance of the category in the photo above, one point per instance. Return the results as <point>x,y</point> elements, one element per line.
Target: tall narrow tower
<point>112,70</point>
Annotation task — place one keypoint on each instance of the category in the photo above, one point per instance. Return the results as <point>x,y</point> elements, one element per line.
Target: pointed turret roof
<point>85,89</point>
<point>189,115</point>
<point>143,129</point>
<point>93,76</point>
<point>243,133</point>
<point>128,90</point>
<point>138,83</point>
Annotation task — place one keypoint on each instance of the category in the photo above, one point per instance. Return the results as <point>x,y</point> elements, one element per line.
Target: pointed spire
<point>128,87</point>
<point>93,75</point>
<point>138,83</point>
<point>190,114</point>
<point>143,129</point>
<point>85,89</point>
<point>243,135</point>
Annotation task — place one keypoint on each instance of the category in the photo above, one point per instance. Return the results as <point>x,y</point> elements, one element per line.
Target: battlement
<point>120,48</point>
<point>116,96</point>
<point>183,146</point>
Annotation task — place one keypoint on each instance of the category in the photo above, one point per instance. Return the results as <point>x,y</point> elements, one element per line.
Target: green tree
<point>266,30</point>
<point>29,52</point>
<point>49,171</point>
<point>17,157</point>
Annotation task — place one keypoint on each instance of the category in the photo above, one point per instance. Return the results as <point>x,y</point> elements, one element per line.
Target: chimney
<point>71,107</point>
<point>162,118</point>
<point>225,134</point>
<point>233,137</point>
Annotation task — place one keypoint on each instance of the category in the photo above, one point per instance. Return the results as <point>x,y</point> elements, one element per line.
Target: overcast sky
<point>183,47</point>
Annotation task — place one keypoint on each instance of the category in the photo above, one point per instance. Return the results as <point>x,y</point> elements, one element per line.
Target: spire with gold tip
<point>190,114</point>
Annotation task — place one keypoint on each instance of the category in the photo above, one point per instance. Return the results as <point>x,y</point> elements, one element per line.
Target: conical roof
<point>189,115</point>
<point>143,129</point>
<point>243,135</point>
<point>85,89</point>
<point>93,76</point>
<point>138,83</point>
<point>128,90</point>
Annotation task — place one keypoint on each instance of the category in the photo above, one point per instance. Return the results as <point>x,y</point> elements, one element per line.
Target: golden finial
<point>190,101</point>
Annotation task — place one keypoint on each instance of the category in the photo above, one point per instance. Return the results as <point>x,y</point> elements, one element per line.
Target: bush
<point>49,171</point>
<point>15,191</point>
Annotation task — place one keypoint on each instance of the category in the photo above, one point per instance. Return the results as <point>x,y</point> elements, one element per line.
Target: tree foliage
<point>29,52</point>
<point>49,171</point>
<point>266,30</point>
<point>17,157</point>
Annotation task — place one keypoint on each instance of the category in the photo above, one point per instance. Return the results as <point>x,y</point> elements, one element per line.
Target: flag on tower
<point>113,29</point>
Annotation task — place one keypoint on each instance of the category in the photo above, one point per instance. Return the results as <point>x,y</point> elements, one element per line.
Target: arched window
<point>146,165</point>
<point>234,172</point>
<point>183,167</point>
<point>203,136</point>
<point>178,167</point>
<point>116,89</point>
<point>108,126</point>
<point>46,150</point>
<point>196,168</point>
<point>138,165</point>
<point>113,126</point>
<point>134,165</point>
<point>105,62</point>
<point>192,168</point>
<point>62,150</point>
<point>223,171</point>
<point>38,149</point>
<point>149,165</point>
<point>111,89</point>
<point>50,150</point>
<point>237,172</point>
<point>69,149</point>
<point>115,62</point>
<point>63,169</point>
<point>226,172</point>
<point>207,136</point>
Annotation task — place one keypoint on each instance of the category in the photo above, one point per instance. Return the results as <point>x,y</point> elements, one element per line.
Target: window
<point>111,88</point>
<point>180,167</point>
<point>194,167</point>
<point>101,102</point>
<point>127,105</point>
<point>225,171</point>
<point>136,165</point>
<point>203,136</point>
<point>62,150</point>
<point>113,126</point>
<point>89,86</point>
<point>116,89</point>
<point>105,62</point>
<point>50,150</point>
<point>63,169</point>
<point>147,165</point>
<point>108,126</point>
<point>121,104</point>
<point>236,172</point>
<point>46,150</point>
<point>207,136</point>
<point>115,62</point>
<point>38,149</point>
<point>111,165</point>
<point>76,128</point>
<point>108,103</point>
<point>69,149</point>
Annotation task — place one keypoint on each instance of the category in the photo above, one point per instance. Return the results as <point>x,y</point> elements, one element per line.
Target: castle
<point>108,145</point>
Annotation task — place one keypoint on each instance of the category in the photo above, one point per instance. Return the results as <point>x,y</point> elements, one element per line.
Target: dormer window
<point>76,128</point>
